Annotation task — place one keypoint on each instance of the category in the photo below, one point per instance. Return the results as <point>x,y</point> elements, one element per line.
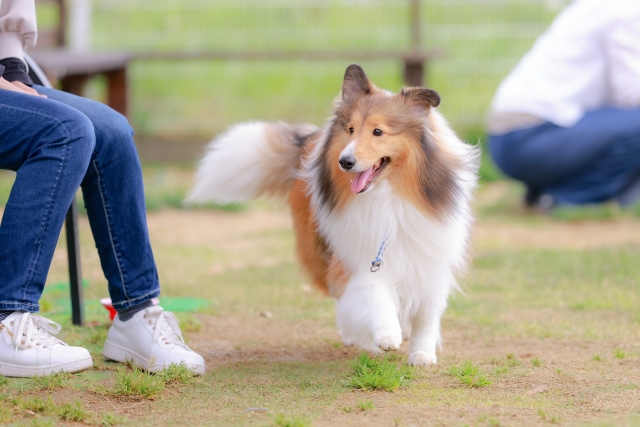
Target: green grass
<point>74,412</point>
<point>469,375</point>
<point>6,414</point>
<point>52,382</point>
<point>179,373</point>
<point>110,420</point>
<point>361,406</point>
<point>378,374</point>
<point>47,407</point>
<point>281,420</point>
<point>512,361</point>
<point>619,353</point>
<point>137,383</point>
<point>36,404</point>
<point>365,405</point>
<point>529,291</point>
<point>134,382</point>
<point>586,213</point>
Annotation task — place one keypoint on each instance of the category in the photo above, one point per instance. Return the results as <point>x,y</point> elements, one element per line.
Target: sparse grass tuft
<point>500,370</point>
<point>553,419</point>
<point>5,414</point>
<point>365,405</point>
<point>596,357</point>
<point>36,404</point>
<point>378,374</point>
<point>536,362</point>
<point>619,353</point>
<point>469,374</point>
<point>512,361</point>
<point>542,414</point>
<point>42,422</point>
<point>74,412</point>
<point>97,335</point>
<point>52,382</point>
<point>176,373</point>
<point>190,324</point>
<point>281,421</point>
<point>110,420</point>
<point>138,383</point>
<point>3,381</point>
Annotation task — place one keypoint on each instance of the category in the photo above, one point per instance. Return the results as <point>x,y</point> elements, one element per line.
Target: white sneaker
<point>28,348</point>
<point>152,340</point>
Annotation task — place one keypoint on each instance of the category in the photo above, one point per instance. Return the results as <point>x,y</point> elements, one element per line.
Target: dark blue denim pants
<point>594,161</point>
<point>57,145</point>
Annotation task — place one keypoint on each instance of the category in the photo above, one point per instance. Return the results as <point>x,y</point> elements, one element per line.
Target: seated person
<point>566,120</point>
<point>57,142</point>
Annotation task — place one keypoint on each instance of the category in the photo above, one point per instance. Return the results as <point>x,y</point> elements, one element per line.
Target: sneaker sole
<point>17,371</point>
<point>120,354</point>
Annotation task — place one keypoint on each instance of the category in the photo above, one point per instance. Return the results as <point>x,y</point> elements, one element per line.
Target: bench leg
<point>117,91</point>
<point>75,269</point>
<point>74,84</point>
<point>413,72</point>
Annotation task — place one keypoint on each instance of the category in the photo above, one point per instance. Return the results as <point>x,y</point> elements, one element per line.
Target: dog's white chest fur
<point>416,277</point>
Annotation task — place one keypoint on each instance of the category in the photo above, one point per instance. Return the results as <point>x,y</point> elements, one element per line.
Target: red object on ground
<point>106,302</point>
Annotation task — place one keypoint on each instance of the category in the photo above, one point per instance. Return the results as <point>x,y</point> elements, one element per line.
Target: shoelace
<point>167,329</point>
<point>32,329</point>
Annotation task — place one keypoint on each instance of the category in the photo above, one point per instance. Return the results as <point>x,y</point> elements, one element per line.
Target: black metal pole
<point>75,269</point>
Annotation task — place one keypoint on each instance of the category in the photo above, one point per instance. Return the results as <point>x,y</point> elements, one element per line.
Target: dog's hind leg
<point>368,316</point>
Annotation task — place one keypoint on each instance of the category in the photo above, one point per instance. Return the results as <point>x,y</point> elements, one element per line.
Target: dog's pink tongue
<point>361,179</point>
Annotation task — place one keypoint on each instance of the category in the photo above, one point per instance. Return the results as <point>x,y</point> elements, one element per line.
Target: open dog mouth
<point>363,180</point>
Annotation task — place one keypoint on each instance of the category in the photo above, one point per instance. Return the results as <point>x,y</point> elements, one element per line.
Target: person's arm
<point>18,30</point>
<point>624,59</point>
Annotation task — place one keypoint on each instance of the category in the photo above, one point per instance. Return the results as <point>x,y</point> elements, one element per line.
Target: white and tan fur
<point>419,204</point>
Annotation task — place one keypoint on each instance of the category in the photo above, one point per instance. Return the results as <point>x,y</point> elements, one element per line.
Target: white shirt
<point>588,59</point>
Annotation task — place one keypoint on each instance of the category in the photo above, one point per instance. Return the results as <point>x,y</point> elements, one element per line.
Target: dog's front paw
<point>346,341</point>
<point>421,358</point>
<point>387,340</point>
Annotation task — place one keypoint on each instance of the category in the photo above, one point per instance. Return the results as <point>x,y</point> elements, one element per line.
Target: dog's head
<point>378,135</point>
<point>378,128</point>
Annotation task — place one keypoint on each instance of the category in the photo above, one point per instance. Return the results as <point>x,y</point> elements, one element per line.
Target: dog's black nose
<point>347,162</point>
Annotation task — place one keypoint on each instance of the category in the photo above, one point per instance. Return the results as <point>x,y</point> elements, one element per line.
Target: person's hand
<point>19,87</point>
<point>23,87</point>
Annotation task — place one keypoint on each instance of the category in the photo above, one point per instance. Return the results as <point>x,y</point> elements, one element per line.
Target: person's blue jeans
<point>57,145</point>
<point>596,160</point>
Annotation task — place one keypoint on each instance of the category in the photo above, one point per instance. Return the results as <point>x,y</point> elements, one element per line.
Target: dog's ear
<point>356,83</point>
<point>421,97</point>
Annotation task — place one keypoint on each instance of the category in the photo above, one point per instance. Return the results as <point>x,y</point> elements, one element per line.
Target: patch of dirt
<point>200,227</point>
<point>245,340</point>
<point>589,390</point>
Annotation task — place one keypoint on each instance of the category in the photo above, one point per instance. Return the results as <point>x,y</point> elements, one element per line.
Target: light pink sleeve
<point>18,27</point>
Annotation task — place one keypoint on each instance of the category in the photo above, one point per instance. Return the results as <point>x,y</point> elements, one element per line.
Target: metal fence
<point>480,41</point>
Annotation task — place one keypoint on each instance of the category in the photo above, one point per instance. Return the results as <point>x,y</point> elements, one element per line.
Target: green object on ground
<point>55,300</point>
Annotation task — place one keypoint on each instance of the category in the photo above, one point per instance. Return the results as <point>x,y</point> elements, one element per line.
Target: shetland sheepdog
<point>380,198</point>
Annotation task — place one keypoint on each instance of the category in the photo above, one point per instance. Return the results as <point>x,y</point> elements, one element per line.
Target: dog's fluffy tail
<point>250,160</point>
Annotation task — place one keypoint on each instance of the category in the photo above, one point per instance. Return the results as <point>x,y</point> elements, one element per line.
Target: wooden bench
<point>73,69</point>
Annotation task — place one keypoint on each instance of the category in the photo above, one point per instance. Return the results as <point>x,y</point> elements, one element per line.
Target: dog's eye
<point>377,132</point>
<point>350,131</point>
